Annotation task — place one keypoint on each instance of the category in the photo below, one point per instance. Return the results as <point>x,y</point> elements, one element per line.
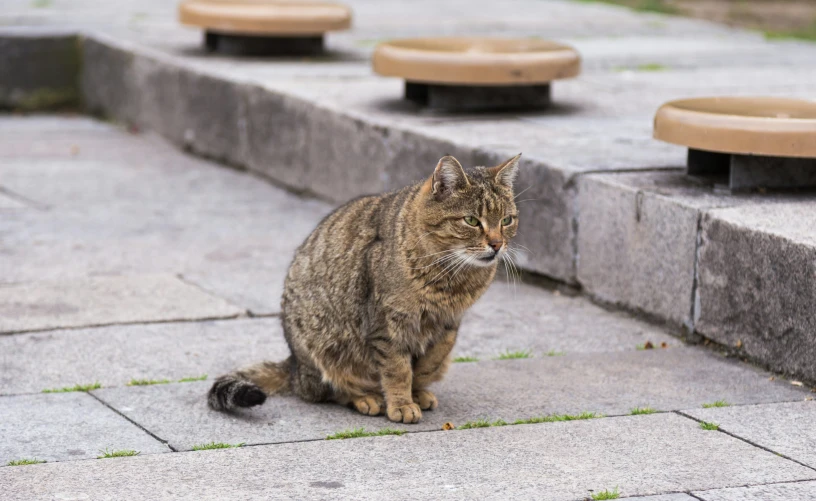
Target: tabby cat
<point>374,297</point>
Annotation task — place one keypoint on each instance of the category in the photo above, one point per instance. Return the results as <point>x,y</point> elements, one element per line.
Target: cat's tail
<point>251,385</point>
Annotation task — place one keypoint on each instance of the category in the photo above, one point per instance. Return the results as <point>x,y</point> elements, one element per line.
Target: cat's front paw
<point>369,405</point>
<point>425,399</point>
<point>407,414</point>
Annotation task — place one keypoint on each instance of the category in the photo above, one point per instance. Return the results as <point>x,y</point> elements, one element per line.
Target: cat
<point>374,297</point>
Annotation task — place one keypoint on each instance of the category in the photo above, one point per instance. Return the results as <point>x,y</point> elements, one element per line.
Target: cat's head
<point>471,215</point>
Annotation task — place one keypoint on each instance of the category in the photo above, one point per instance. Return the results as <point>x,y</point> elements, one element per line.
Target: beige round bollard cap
<point>476,61</point>
<point>770,126</point>
<point>265,17</point>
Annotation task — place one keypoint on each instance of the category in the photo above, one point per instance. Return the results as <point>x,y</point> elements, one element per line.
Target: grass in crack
<point>718,403</point>
<point>510,355</point>
<point>76,387</point>
<point>606,494</point>
<point>23,462</point>
<point>117,454</point>
<point>637,411</point>
<point>147,382</point>
<point>554,418</point>
<point>707,425</point>
<point>459,360</point>
<point>193,379</point>
<point>360,432</point>
<point>216,445</point>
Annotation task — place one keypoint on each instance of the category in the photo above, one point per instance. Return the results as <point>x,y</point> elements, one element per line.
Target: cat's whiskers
<point>449,266</point>
<point>522,191</point>
<point>420,239</point>
<point>439,261</point>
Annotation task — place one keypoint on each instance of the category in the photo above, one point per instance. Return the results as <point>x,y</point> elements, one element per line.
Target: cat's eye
<point>472,221</point>
<point>506,221</point>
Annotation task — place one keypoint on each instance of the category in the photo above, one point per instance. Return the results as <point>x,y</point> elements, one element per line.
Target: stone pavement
<point>608,208</point>
<point>134,261</point>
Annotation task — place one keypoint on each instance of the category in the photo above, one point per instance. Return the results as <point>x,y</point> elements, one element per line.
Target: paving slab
<point>785,428</point>
<point>36,361</point>
<point>106,300</point>
<point>642,455</point>
<point>510,317</point>
<point>64,427</point>
<point>514,316</point>
<point>610,383</point>
<point>666,497</point>
<point>794,491</point>
<point>756,283</point>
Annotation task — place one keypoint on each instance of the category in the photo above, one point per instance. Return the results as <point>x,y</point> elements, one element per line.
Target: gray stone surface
<point>795,491</point>
<point>609,383</point>
<point>785,428</point>
<point>66,426</point>
<point>39,70</point>
<point>106,300</point>
<point>513,316</point>
<point>228,232</point>
<point>642,455</point>
<point>666,497</point>
<point>756,283</point>
<point>36,361</point>
<point>509,318</point>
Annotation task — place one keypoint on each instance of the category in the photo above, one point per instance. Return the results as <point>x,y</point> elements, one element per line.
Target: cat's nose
<point>496,245</point>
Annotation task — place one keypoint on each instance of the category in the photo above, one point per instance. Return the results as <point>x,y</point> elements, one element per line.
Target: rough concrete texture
<point>784,428</point>
<point>148,351</point>
<point>513,316</point>
<point>509,318</point>
<point>794,491</point>
<point>106,300</point>
<point>757,285</point>
<point>66,426</point>
<point>607,383</point>
<point>666,497</point>
<point>642,455</point>
<point>638,237</point>
<point>227,232</point>
<point>40,69</point>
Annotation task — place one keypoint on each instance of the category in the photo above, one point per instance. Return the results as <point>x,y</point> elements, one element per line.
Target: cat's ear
<point>449,176</point>
<point>506,173</point>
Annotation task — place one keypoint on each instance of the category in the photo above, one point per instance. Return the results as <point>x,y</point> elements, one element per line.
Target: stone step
<point>609,383</point>
<point>638,455</point>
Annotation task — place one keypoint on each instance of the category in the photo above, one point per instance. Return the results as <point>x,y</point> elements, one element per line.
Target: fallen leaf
<point>448,426</point>
<point>648,346</point>
<point>797,383</point>
<point>664,344</point>
<point>772,378</point>
<point>739,343</point>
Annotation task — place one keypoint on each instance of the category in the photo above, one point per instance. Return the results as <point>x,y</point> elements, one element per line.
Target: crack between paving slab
<point>165,442</point>
<point>237,316</point>
<point>749,442</point>
<point>24,200</point>
<point>696,274</point>
<point>211,293</point>
<point>788,482</point>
